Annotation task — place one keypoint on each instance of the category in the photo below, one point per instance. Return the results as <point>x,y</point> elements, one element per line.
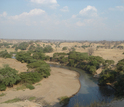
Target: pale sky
<point>62,19</point>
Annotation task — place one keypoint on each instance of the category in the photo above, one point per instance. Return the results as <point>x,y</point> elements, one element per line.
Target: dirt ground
<point>62,82</point>
<point>21,67</point>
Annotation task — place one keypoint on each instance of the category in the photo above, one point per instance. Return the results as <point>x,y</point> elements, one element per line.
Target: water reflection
<point>89,91</point>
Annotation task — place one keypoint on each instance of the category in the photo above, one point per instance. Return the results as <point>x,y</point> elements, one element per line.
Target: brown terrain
<point>62,82</point>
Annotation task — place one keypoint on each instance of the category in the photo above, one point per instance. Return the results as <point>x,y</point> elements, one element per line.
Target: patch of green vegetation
<point>64,48</point>
<point>30,77</point>
<point>9,77</point>
<point>22,87</point>
<point>22,46</point>
<point>37,84</point>
<point>2,94</point>
<point>31,87</point>
<point>5,54</point>
<point>31,98</point>
<point>64,100</point>
<point>5,44</point>
<point>13,100</point>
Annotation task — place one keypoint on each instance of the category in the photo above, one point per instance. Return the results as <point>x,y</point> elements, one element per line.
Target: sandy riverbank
<point>62,82</point>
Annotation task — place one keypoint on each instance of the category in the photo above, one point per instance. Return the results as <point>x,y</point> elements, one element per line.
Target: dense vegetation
<point>5,54</point>
<point>115,77</point>
<point>33,47</point>
<point>8,77</point>
<point>64,48</point>
<point>22,46</point>
<point>5,44</point>
<point>37,69</point>
<point>110,74</point>
<point>79,60</point>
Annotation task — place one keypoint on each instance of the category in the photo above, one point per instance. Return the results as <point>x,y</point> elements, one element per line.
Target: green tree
<point>10,76</point>
<point>64,48</point>
<point>48,49</point>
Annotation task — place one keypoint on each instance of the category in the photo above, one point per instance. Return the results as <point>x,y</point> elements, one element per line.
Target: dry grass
<point>13,63</point>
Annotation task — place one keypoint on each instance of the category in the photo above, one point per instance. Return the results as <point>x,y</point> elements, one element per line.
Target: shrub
<point>38,49</point>
<point>22,46</point>
<point>119,85</point>
<point>71,63</point>
<point>2,87</point>
<point>31,87</point>
<point>64,60</point>
<point>47,58</point>
<point>92,69</point>
<point>108,77</point>
<point>109,62</point>
<point>48,49</point>
<point>32,48</point>
<point>64,48</point>
<point>36,64</point>
<point>13,100</point>
<point>5,54</point>
<point>10,76</point>
<point>39,55</point>
<point>30,77</point>
<point>64,100</point>
<point>25,57</point>
<point>44,70</point>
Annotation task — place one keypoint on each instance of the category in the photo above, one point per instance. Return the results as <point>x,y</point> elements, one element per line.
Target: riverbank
<point>62,82</point>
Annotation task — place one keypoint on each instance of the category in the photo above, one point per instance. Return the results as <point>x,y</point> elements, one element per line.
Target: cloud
<point>33,12</point>
<point>44,1</point>
<point>119,8</point>
<point>49,3</point>
<point>65,9</point>
<point>4,14</point>
<point>89,11</point>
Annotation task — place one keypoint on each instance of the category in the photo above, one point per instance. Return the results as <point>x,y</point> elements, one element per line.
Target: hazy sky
<point>62,19</point>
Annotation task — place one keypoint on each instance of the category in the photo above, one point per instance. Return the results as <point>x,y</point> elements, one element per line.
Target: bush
<point>47,58</point>
<point>119,85</point>
<point>5,54</point>
<point>109,62</point>
<point>25,57</point>
<point>48,49</point>
<point>22,46</point>
<point>2,87</point>
<point>30,77</point>
<point>44,70</point>
<point>64,100</point>
<point>32,48</point>
<point>10,76</point>
<point>31,87</point>
<point>39,55</point>
<point>64,48</point>
<point>5,44</point>
<point>108,77</point>
<point>71,63</point>
<point>92,69</point>
<point>64,60</point>
<point>36,64</point>
<point>38,49</point>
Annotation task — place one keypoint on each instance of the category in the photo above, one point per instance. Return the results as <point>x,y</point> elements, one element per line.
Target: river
<point>90,91</point>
